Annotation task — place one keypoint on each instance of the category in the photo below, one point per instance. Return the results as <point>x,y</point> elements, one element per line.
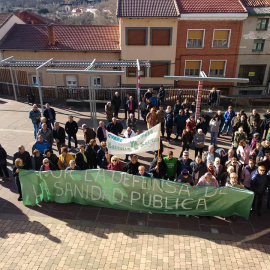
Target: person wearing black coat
<point>101,153</point>
<point>258,184</point>
<point>116,102</point>
<point>222,121</point>
<point>243,123</point>
<point>202,124</point>
<point>187,139</point>
<point>59,136</point>
<point>91,154</point>
<point>81,158</point>
<point>51,157</point>
<point>36,160</point>
<point>101,132</point>
<point>212,99</point>
<point>18,164</point>
<point>199,168</point>
<point>169,122</point>
<point>115,127</point>
<point>24,156</point>
<point>47,162</point>
<point>3,164</point>
<point>133,166</point>
<point>71,129</point>
<point>131,105</point>
<point>49,113</point>
<point>158,168</point>
<point>184,162</point>
<point>265,123</point>
<point>161,95</point>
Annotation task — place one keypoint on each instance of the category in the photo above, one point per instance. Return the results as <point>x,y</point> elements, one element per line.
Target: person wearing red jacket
<point>191,124</point>
<point>115,165</point>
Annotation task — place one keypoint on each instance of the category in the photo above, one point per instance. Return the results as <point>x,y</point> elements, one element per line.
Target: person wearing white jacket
<point>214,129</point>
<point>243,152</point>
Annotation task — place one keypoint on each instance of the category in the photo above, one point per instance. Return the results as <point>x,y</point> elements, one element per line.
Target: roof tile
<point>147,8</point>
<point>256,3</point>
<point>68,38</point>
<point>210,6</point>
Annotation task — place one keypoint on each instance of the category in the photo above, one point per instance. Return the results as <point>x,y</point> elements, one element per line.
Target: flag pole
<point>159,130</point>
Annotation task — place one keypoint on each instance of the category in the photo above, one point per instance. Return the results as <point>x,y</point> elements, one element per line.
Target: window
<point>161,36</point>
<point>262,24</point>
<point>71,80</point>
<point>255,73</point>
<point>132,72</point>
<point>136,36</point>
<point>221,39</point>
<point>217,68</point>
<point>97,81</point>
<point>192,68</point>
<point>258,45</point>
<point>35,81</point>
<point>195,39</point>
<point>159,69</point>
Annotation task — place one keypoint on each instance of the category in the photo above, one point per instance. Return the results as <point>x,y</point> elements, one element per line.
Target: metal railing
<point>64,93</point>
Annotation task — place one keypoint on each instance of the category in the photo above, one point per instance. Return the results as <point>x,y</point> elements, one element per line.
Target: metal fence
<point>63,93</point>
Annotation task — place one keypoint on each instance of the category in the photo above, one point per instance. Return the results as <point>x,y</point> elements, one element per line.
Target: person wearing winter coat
<point>187,139</point>
<point>202,124</point>
<point>239,136</point>
<point>36,160</point>
<point>177,107</point>
<point>233,182</point>
<point>49,113</point>
<point>184,162</point>
<point>143,108</point>
<point>88,134</point>
<point>265,123</point>
<point>115,127</point>
<point>247,173</point>
<point>254,117</point>
<point>47,134</point>
<point>131,105</point>
<point>198,169</point>
<point>221,120</point>
<point>214,129</point>
<point>169,122</point>
<point>71,129</point>
<point>208,180</point>
<point>41,145</point>
<point>161,119</point>
<point>228,116</point>
<point>243,123</point>
<point>158,167</point>
<point>115,165</point>
<point>109,111</point>
<point>133,166</point>
<point>258,184</point>
<point>64,159</point>
<point>35,116</point>
<point>18,164</point>
<point>101,153</point>
<point>199,140</point>
<point>151,118</point>
<point>191,124</point>
<point>161,95</point>
<point>91,154</point>
<point>180,122</point>
<point>81,158</point>
<point>116,102</point>
<point>47,165</point>
<point>185,178</point>
<point>3,164</point>
<point>243,152</point>
<point>132,122</point>
<point>212,98</point>
<point>24,155</point>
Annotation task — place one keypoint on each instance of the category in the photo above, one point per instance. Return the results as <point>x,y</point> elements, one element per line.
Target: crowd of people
<point>246,165</point>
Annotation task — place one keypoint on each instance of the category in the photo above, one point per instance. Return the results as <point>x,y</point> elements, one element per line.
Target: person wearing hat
<point>185,178</point>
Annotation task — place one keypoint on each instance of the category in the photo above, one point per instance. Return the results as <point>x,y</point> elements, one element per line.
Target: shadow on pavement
<point>9,226</point>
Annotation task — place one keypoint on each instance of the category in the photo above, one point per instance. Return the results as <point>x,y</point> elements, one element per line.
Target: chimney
<point>51,34</point>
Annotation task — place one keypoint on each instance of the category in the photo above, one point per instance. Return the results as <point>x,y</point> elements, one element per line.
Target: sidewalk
<point>71,236</point>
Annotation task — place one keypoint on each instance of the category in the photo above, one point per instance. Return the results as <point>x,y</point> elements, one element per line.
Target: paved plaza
<point>71,236</point>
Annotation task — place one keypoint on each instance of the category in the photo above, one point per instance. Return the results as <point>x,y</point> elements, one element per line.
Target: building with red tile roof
<point>67,38</point>
<point>147,8</point>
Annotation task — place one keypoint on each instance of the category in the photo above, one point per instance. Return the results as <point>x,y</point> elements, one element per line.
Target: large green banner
<point>120,190</point>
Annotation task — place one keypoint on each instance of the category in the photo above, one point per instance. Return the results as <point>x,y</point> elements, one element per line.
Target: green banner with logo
<point>120,190</point>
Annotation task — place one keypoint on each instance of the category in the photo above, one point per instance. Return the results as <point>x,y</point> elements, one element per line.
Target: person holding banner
<point>129,133</point>
<point>115,165</point>
<point>171,163</point>
<point>142,172</point>
<point>133,166</point>
<point>158,167</point>
<point>208,180</point>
